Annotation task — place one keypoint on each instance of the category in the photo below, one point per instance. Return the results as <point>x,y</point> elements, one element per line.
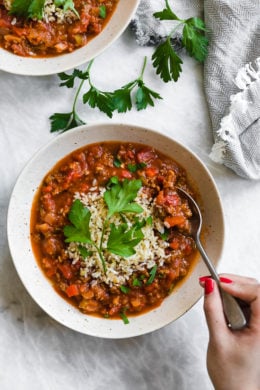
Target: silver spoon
<point>234,315</point>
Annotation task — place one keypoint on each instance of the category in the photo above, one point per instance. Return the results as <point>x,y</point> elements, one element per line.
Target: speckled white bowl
<point>38,286</point>
<point>12,63</point>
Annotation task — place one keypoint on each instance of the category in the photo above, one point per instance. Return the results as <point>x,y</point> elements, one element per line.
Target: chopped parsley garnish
<point>124,317</point>
<point>137,282</point>
<point>152,275</point>
<point>125,289</point>
<point>122,239</point>
<point>103,11</point>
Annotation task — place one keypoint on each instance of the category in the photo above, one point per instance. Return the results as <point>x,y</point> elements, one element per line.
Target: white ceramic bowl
<point>12,63</point>
<point>183,297</point>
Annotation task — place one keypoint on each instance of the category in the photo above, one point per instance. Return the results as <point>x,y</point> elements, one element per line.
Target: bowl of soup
<point>53,36</point>
<point>100,235</point>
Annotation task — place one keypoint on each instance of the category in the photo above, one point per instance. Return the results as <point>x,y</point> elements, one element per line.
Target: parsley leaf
<point>122,240</point>
<point>124,317</point>
<point>167,62</point>
<point>152,275</point>
<point>28,8</point>
<point>67,5</point>
<point>102,100</point>
<point>137,282</point>
<point>79,216</point>
<point>103,11</point>
<point>166,13</point>
<point>122,97</point>
<point>69,79</point>
<point>144,96</point>
<point>125,289</point>
<point>194,39</point>
<point>65,121</point>
<point>119,198</point>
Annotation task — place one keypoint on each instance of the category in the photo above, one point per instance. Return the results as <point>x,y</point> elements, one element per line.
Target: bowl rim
<point>28,66</point>
<point>114,331</point>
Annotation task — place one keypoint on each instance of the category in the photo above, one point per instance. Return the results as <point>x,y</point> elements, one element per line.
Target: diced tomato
<point>72,290</point>
<point>66,271</point>
<point>174,220</point>
<point>151,171</point>
<point>169,198</point>
<point>125,174</point>
<point>174,244</point>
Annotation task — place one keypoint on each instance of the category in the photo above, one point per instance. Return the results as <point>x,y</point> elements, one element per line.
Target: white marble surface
<point>36,353</point>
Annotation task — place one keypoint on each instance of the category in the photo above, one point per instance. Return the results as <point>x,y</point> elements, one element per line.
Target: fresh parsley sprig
<point>122,239</point>
<point>120,100</point>
<point>165,60</point>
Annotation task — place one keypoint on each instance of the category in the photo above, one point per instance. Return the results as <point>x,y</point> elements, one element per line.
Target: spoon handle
<point>234,315</point>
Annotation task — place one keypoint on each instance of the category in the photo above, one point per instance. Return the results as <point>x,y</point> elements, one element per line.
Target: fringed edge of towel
<point>227,130</point>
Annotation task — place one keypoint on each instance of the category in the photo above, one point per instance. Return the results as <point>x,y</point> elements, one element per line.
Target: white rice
<point>150,251</point>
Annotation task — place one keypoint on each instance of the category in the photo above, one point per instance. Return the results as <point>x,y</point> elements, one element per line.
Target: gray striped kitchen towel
<point>232,73</point>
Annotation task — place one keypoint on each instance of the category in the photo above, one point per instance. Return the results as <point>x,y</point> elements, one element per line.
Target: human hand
<point>233,357</point>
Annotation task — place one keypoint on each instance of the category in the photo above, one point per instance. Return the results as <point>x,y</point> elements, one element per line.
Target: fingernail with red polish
<point>209,286</point>
<point>203,278</point>
<point>225,280</point>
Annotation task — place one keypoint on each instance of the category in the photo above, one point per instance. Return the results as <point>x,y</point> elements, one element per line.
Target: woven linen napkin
<point>232,73</point>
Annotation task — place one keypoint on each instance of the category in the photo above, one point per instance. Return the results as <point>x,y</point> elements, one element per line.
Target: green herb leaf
<point>65,121</point>
<point>113,180</point>
<point>167,62</point>
<point>194,38</point>
<point>117,163</point>
<point>121,98</point>
<point>152,275</point>
<point>135,167</point>
<point>125,289</point>
<point>165,235</point>
<point>35,11</point>
<point>79,216</point>
<point>20,7</point>
<point>119,198</point>
<point>121,240</point>
<point>102,100</point>
<point>103,11</point>
<point>84,252</point>
<point>137,282</point>
<point>67,5</point>
<point>144,96</point>
<point>124,317</point>
<point>166,13</point>
<point>28,8</point>
<point>69,79</point>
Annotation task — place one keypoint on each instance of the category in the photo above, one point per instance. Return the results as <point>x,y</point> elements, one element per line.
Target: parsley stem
<point>143,68</point>
<point>175,28</point>
<point>101,257</point>
<point>80,87</point>
<point>76,96</point>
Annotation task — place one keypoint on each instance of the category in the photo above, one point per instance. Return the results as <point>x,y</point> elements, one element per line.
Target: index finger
<point>249,292</point>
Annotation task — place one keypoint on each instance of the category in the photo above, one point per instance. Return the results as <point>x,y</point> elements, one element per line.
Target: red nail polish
<point>203,278</point>
<point>225,280</point>
<point>209,286</point>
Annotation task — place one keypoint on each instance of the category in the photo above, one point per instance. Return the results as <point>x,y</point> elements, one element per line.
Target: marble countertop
<point>36,353</point>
